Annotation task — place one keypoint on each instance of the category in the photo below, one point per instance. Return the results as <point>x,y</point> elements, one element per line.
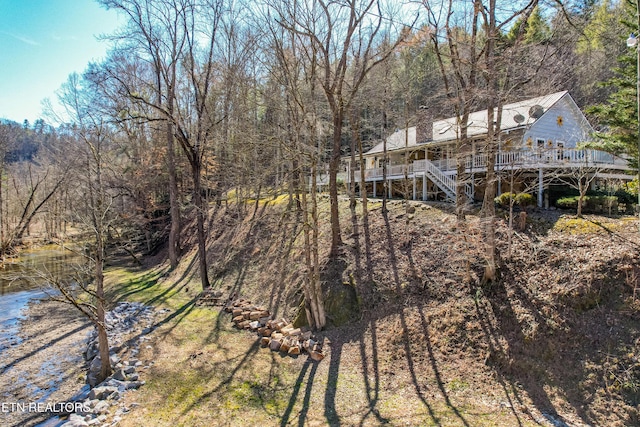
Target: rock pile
<point>278,335</point>
<point>125,319</point>
<point>127,326</point>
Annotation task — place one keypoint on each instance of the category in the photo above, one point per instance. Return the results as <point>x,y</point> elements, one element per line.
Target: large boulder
<point>102,392</point>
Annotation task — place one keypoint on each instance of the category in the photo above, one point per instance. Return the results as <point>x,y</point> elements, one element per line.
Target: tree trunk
<point>314,306</point>
<point>174,208</point>
<point>103,340</point>
<point>334,165</point>
<point>200,218</point>
<point>363,188</point>
<point>316,286</point>
<point>461,165</point>
<point>355,128</point>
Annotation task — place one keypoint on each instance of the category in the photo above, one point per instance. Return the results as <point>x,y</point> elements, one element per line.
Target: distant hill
<point>21,142</point>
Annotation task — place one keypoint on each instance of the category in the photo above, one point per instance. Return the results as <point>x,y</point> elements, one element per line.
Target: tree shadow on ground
<point>407,339</point>
<point>330,410</point>
<point>138,285</point>
<point>255,347</point>
<point>232,247</point>
<point>365,334</point>
<point>536,364</point>
<point>176,317</point>
<point>44,346</point>
<point>147,282</point>
<point>296,391</point>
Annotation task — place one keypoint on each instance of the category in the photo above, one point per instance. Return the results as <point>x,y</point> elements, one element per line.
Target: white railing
<point>520,159</point>
<point>434,172</point>
<point>445,164</point>
<point>558,157</point>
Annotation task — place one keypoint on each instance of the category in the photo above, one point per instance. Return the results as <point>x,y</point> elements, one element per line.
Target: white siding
<point>574,129</point>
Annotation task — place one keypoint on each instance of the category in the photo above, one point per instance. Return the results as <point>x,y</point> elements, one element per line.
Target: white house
<point>540,139</point>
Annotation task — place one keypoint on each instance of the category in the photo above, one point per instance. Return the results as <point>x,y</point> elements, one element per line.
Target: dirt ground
<point>46,365</point>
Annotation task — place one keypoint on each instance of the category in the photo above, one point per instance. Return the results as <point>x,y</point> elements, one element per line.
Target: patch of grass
<point>281,199</point>
<point>574,225</point>
<point>149,287</point>
<point>458,385</point>
<point>251,393</point>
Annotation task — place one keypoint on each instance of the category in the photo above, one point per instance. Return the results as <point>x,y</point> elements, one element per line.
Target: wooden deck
<point>532,160</point>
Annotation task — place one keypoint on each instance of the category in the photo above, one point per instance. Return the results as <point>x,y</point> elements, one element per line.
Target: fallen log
<point>274,345</point>
<point>316,355</point>
<point>285,346</point>
<point>294,350</point>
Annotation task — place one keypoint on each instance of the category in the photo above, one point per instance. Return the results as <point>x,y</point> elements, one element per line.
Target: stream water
<point>22,281</point>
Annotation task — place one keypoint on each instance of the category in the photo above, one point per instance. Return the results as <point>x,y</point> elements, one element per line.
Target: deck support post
<point>540,188</point>
<point>374,189</point>
<point>414,186</point>
<point>424,187</point>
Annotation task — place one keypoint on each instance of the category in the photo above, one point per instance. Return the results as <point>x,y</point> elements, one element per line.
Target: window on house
<point>560,145</point>
<point>540,145</point>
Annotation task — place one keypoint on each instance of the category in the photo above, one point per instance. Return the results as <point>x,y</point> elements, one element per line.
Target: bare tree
<point>580,177</point>
<point>40,185</point>
<point>181,39</point>
<point>297,73</point>
<point>338,33</point>
<point>459,51</point>
<point>156,38</point>
<point>478,50</point>
<point>90,141</point>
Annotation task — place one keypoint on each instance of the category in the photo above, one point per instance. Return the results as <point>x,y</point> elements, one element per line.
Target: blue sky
<point>41,43</point>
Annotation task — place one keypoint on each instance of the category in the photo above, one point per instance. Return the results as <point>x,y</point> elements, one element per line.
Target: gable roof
<point>447,129</point>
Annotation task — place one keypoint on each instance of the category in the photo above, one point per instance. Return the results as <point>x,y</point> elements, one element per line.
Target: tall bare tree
<point>89,141</point>
<point>180,39</point>
<point>296,70</point>
<point>154,35</point>
<point>459,61</point>
<point>475,49</point>
<point>347,38</point>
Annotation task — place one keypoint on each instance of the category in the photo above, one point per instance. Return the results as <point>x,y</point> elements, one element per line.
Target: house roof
<point>515,115</point>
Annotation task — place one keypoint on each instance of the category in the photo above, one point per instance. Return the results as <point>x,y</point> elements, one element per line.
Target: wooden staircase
<point>446,183</point>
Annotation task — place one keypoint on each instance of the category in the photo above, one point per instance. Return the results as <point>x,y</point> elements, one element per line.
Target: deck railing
<point>505,160</point>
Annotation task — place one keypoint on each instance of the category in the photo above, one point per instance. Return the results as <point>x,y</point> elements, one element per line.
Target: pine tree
<point>536,29</point>
<point>617,118</point>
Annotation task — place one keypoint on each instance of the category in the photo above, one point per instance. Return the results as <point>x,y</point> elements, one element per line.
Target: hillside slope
<point>553,342</point>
